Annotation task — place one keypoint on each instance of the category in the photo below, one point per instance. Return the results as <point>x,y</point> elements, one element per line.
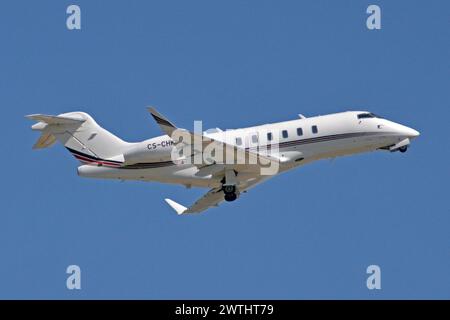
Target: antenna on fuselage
<point>301,116</point>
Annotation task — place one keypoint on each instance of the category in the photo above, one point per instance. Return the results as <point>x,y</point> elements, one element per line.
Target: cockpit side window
<point>367,115</point>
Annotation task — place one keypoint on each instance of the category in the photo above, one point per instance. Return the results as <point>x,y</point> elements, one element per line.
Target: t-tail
<point>82,136</point>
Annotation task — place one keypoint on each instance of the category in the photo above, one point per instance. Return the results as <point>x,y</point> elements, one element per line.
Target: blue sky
<point>310,233</point>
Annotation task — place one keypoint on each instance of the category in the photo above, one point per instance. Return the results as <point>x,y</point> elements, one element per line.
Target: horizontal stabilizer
<point>44,123</point>
<point>55,119</point>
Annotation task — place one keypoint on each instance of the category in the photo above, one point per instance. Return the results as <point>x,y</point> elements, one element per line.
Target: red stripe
<point>98,161</point>
<point>82,158</point>
<point>85,159</point>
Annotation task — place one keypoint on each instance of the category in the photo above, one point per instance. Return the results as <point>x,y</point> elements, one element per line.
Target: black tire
<point>403,149</point>
<point>230,197</point>
<point>229,189</point>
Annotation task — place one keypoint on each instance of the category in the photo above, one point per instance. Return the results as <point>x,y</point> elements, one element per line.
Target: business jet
<point>196,158</point>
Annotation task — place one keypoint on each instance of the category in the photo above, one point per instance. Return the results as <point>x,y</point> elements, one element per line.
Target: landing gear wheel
<point>403,149</point>
<point>230,197</point>
<point>229,189</point>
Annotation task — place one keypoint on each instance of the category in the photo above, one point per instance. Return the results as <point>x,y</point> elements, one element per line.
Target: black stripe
<point>152,165</point>
<point>148,165</point>
<point>91,157</point>
<point>144,165</point>
<point>318,139</point>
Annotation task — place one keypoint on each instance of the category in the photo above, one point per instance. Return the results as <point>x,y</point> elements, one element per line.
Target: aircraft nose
<point>409,132</point>
<point>414,133</point>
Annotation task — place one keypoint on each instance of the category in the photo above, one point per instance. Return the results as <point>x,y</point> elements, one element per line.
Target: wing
<point>252,167</point>
<point>243,159</point>
<point>213,197</point>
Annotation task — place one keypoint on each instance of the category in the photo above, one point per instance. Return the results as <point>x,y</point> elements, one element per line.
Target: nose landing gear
<point>403,149</point>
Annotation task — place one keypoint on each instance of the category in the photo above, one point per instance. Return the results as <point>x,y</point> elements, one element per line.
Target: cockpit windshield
<point>367,115</point>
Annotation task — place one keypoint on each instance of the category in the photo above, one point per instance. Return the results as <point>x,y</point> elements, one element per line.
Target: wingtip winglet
<point>155,114</point>
<point>165,124</point>
<point>152,110</point>
<point>179,209</point>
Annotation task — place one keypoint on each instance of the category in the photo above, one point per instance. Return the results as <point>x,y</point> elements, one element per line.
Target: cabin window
<point>269,136</point>
<point>254,138</point>
<point>314,129</point>
<point>239,141</point>
<point>284,134</point>
<point>299,132</point>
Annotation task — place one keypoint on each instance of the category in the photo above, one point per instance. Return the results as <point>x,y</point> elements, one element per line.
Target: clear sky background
<point>310,233</point>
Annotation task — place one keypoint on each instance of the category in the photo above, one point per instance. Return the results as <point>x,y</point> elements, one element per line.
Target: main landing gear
<point>230,193</point>
<point>229,185</point>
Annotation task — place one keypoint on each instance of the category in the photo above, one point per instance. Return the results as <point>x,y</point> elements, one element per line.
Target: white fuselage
<point>300,141</point>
